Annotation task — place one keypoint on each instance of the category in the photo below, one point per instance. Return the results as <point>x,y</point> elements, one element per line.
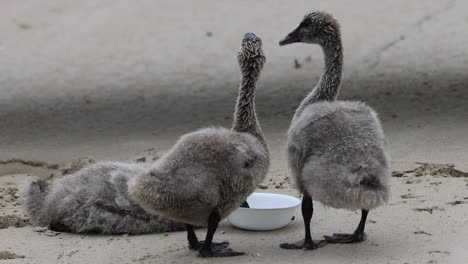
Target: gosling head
<point>250,55</point>
<point>316,28</point>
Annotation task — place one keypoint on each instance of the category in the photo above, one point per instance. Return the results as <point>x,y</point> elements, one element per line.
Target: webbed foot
<point>305,245</point>
<point>346,238</point>
<point>218,253</point>
<point>214,245</point>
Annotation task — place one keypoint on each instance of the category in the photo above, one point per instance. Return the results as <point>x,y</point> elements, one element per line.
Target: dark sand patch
<point>76,165</point>
<point>19,166</point>
<point>8,196</point>
<point>441,170</point>
<point>7,221</point>
<point>420,232</point>
<point>429,209</point>
<point>9,255</point>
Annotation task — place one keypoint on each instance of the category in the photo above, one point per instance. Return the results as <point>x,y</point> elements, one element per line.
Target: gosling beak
<point>292,37</point>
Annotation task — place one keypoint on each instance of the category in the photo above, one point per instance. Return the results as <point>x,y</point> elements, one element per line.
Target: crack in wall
<point>386,46</point>
<point>373,59</point>
<point>428,17</point>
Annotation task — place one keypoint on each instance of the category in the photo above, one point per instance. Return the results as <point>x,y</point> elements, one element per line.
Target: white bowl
<point>268,211</point>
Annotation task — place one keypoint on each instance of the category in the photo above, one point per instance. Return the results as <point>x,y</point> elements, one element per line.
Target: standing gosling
<point>208,173</point>
<point>335,148</point>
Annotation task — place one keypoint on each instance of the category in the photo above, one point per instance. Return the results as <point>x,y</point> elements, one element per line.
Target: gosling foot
<point>305,245</point>
<point>218,253</point>
<point>346,238</point>
<point>214,245</point>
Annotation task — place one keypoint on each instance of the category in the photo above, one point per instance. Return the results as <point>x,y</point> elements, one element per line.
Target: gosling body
<point>335,148</point>
<point>94,199</point>
<point>208,173</point>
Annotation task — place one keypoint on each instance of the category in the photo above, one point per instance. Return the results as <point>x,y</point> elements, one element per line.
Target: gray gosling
<point>92,200</point>
<point>208,173</point>
<point>335,148</point>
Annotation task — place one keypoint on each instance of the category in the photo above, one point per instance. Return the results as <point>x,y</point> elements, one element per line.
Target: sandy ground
<point>110,79</point>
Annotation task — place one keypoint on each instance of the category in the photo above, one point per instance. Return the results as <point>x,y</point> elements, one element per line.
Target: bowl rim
<point>271,209</point>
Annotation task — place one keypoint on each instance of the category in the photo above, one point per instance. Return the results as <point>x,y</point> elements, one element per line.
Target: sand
<point>85,81</point>
<point>425,222</point>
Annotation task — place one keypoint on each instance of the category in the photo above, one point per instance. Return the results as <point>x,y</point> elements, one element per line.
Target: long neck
<point>329,85</point>
<point>245,117</point>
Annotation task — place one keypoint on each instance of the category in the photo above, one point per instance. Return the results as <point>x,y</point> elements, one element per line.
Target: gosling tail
<point>32,195</point>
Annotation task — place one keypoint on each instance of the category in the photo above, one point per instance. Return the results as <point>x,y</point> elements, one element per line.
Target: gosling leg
<point>208,250</point>
<point>357,236</point>
<point>306,244</point>
<point>194,244</point>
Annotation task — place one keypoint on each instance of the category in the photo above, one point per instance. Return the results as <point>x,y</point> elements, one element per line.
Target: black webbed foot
<point>305,245</point>
<point>210,249</point>
<point>218,253</point>
<point>214,245</point>
<point>346,238</point>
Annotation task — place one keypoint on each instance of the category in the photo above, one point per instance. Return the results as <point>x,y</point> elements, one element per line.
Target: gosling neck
<point>245,117</point>
<point>330,82</point>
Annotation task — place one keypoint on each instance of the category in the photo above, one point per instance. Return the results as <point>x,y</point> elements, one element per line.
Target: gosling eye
<point>152,173</point>
<point>306,23</point>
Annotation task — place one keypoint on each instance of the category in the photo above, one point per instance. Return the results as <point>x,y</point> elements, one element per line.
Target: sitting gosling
<point>92,200</point>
